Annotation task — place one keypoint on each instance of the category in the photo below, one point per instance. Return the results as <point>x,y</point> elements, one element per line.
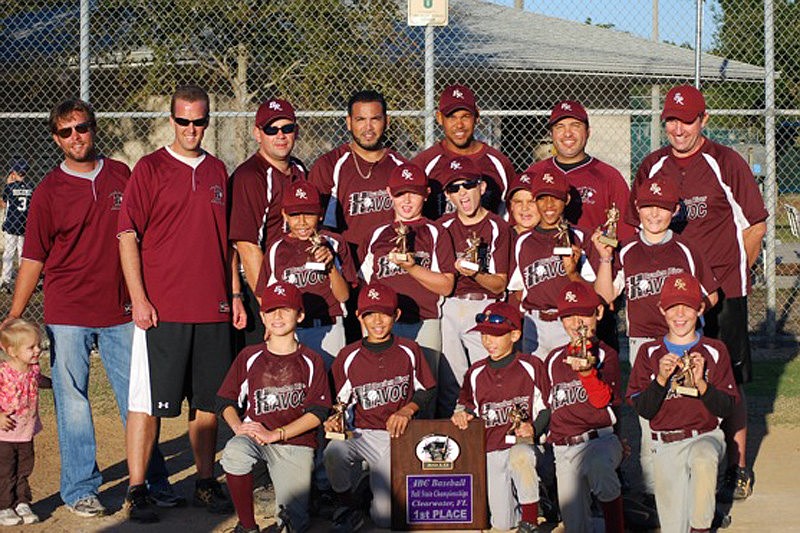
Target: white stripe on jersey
<point>417,384</point>
<point>397,161</point>
<point>473,382</point>
<point>310,365</point>
<point>498,166</point>
<point>515,282</point>
<point>273,250</point>
<point>538,402</point>
<point>263,228</point>
<point>337,263</point>
<point>244,388</point>
<point>330,219</point>
<point>432,164</point>
<point>368,266</point>
<point>493,247</point>
<point>346,391</point>
<point>713,352</point>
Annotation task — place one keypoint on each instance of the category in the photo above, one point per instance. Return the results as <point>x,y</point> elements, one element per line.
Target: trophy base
<point>397,257</point>
<point>335,435</point>
<point>687,391</point>
<point>608,241</point>
<point>562,250</point>
<point>311,265</point>
<point>574,359</point>
<point>513,439</point>
<point>469,265</point>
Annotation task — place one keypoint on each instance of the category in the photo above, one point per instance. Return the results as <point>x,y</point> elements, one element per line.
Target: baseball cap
<point>549,184</point>
<point>455,97</point>
<point>272,110</point>
<point>568,109</point>
<point>377,298</point>
<point>19,166</point>
<point>658,191</point>
<point>408,177</point>
<point>522,181</point>
<point>577,298</point>
<point>498,319</point>
<point>680,288</point>
<point>462,167</point>
<point>281,294</point>
<point>302,197</point>
<point>685,103</point>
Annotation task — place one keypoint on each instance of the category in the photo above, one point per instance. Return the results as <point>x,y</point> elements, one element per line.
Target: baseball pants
<point>540,337</point>
<point>645,443</point>
<point>511,481</point>
<point>12,249</point>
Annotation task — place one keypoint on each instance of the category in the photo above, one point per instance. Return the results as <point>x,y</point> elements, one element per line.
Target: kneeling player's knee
<point>238,457</point>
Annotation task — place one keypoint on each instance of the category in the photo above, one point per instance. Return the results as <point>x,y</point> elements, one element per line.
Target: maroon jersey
<point>375,385</point>
<point>720,199</point>
<point>357,203</point>
<point>490,393</point>
<point>593,187</point>
<point>256,198</point>
<point>493,252</point>
<point>540,274</point>
<point>275,389</point>
<point>285,260</point>
<point>571,413</point>
<point>678,411</point>
<point>72,229</point>
<point>490,161</point>
<point>431,247</point>
<point>644,267</point>
<point>179,215</point>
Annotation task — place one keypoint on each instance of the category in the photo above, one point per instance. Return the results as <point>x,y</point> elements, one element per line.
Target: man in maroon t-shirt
<point>257,187</point>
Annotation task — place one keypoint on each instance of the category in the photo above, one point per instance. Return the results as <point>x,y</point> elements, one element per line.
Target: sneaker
<point>25,512</point>
<point>743,480</point>
<point>137,502</point>
<point>88,507</point>
<point>241,529</point>
<point>209,493</point>
<point>165,496</point>
<point>527,527</point>
<point>347,520</point>
<point>9,518</point>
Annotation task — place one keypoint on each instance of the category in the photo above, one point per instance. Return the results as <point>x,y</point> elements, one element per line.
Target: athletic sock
<point>530,512</point>
<point>241,489</point>
<point>613,515</point>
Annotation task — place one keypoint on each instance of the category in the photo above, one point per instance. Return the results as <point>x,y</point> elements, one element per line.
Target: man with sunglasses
<point>723,214</point>
<point>256,196</point>
<point>458,117</point>
<point>482,243</point>
<point>173,241</point>
<point>71,236</point>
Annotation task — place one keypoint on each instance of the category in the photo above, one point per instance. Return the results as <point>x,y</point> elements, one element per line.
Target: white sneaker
<point>9,518</point>
<point>25,512</point>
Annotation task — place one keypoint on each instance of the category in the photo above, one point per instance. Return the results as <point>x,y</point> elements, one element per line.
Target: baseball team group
<point>373,289</point>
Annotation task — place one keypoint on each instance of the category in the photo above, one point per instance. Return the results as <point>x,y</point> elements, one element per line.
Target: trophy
<point>683,380</point>
<point>609,236</point>
<point>339,418</point>
<point>317,241</point>
<point>400,252</point>
<point>516,418</point>
<point>578,350</point>
<point>563,246</point>
<point>470,258</point>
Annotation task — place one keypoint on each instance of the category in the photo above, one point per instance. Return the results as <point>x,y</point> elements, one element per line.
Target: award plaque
<point>339,417</point>
<point>683,380</point>
<point>317,241</point>
<point>400,252</point>
<point>470,258</point>
<point>579,349</point>
<point>515,416</point>
<point>609,236</point>
<point>439,477</point>
<point>563,246</point>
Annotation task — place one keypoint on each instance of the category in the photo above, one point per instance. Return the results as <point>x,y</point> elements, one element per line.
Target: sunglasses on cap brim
<point>482,318</point>
<point>81,128</point>
<point>468,185</point>
<point>286,129</point>
<point>197,123</point>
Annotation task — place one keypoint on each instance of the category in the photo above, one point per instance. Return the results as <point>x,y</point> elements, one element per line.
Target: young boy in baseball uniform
<point>521,205</point>
<point>383,380</point>
<point>583,394</point>
<point>684,385</point>
<point>282,388</point>
<point>495,389</point>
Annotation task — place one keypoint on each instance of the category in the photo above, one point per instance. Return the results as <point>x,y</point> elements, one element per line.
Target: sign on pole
<point>427,12</point>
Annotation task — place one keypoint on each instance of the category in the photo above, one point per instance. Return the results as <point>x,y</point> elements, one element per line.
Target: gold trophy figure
<point>516,417</point>
<point>470,258</point>
<point>609,236</point>
<point>563,246</point>
<point>339,419</point>
<point>317,241</point>
<point>683,380</point>
<point>579,350</point>
<point>400,253</point>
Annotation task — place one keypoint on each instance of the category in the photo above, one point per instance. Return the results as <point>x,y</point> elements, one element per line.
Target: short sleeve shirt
<point>17,196</point>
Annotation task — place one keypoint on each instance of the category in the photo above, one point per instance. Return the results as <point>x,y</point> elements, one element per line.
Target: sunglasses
<point>286,129</point>
<point>197,123</point>
<point>468,185</point>
<point>480,318</point>
<point>81,128</point>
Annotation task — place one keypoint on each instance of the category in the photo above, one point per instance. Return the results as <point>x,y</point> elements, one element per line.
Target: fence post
<point>698,42</point>
<point>84,52</point>
<point>771,181</point>
<point>429,83</point>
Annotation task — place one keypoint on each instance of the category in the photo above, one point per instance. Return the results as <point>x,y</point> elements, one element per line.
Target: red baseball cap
<point>272,110</point>
<point>498,319</point>
<point>462,167</point>
<point>577,298</point>
<point>568,109</point>
<point>408,177</point>
<point>549,184</point>
<point>658,191</point>
<point>281,294</point>
<point>377,298</point>
<point>522,181</point>
<point>455,97</point>
<point>302,197</point>
<point>685,103</point>
<point>681,288</point>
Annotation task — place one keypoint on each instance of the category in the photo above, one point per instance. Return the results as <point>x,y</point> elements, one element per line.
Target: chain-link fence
<point>618,58</point>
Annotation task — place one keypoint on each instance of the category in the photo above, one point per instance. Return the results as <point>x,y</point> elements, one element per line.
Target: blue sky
<point>676,17</point>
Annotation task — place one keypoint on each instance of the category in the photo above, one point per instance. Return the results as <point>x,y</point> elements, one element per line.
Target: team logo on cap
<point>279,290</point>
<point>678,98</point>
<point>457,94</point>
<point>570,297</point>
<point>566,107</point>
<point>407,175</point>
<point>655,188</point>
<point>680,284</point>
<point>275,105</point>
<point>547,178</point>
<point>300,193</point>
<point>455,165</point>
<point>373,294</point>
<point>525,178</point>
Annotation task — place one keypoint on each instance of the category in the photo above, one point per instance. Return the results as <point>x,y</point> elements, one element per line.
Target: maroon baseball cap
<point>462,167</point>
<point>408,177</point>
<point>549,184</point>
<point>681,288</point>
<point>272,110</point>
<point>522,181</point>
<point>302,197</point>
<point>498,319</point>
<point>568,109</point>
<point>685,103</point>
<point>377,298</point>
<point>658,191</point>
<point>455,97</point>
<point>577,298</point>
<point>281,294</point>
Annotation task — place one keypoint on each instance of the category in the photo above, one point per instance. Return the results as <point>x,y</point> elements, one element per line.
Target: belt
<point>675,436</point>
<point>584,437</point>
<point>548,316</point>
<point>476,296</point>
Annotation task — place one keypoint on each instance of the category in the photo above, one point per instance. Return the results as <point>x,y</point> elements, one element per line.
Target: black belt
<point>675,436</point>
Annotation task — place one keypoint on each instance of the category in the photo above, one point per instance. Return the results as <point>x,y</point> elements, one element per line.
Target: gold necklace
<point>358,168</point>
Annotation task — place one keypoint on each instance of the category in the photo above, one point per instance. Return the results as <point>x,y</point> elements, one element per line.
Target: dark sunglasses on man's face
<point>480,318</point>
<point>81,128</point>
<point>468,185</point>
<point>286,129</point>
<point>198,122</point>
